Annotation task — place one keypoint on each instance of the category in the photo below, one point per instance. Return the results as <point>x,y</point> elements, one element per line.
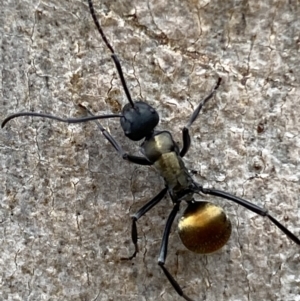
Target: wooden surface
<point>66,197</point>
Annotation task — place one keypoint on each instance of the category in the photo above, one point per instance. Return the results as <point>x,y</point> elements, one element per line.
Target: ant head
<point>138,121</point>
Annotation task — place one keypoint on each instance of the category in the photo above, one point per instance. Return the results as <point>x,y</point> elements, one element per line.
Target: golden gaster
<point>204,227</point>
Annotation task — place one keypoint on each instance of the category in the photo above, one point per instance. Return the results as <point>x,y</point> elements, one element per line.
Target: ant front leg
<point>133,159</point>
<point>185,131</point>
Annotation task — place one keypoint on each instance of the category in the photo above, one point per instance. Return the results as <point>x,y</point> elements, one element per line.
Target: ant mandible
<point>203,227</point>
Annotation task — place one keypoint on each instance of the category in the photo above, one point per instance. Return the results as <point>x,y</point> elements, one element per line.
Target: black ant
<point>203,227</point>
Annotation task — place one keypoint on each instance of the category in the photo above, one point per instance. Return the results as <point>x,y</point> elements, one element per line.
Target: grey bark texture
<point>65,195</point>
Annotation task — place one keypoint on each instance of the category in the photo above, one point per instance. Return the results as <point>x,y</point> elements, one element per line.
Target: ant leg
<point>138,215</point>
<point>185,131</point>
<point>258,210</point>
<point>133,159</point>
<point>164,250</point>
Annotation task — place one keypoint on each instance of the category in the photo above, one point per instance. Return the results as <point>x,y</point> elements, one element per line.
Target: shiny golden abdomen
<point>204,227</point>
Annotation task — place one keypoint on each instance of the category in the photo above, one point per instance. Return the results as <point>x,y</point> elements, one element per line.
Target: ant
<point>203,227</point>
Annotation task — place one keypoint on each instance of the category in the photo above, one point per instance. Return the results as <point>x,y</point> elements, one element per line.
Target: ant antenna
<point>66,120</point>
<point>114,56</point>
